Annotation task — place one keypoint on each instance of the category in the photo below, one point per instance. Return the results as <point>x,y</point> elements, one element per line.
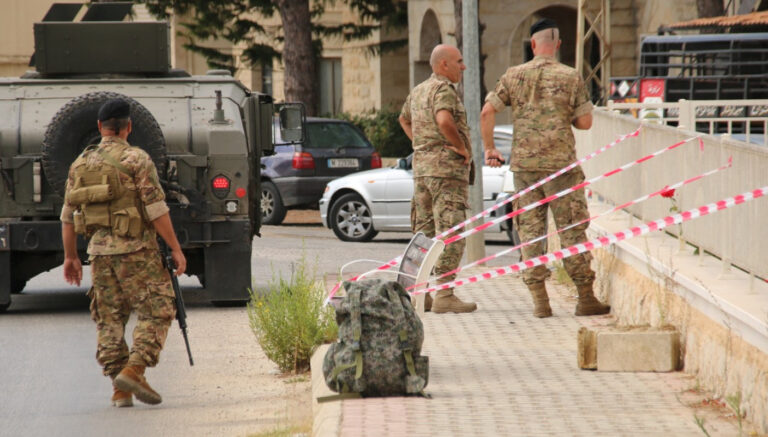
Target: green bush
<point>290,320</point>
<point>383,130</point>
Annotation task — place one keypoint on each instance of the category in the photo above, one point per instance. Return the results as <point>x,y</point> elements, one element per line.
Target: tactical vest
<point>100,200</point>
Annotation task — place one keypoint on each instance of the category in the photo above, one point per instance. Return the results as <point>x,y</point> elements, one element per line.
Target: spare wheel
<point>74,127</point>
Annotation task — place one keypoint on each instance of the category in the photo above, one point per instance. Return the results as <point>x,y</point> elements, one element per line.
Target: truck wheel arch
<point>74,127</point>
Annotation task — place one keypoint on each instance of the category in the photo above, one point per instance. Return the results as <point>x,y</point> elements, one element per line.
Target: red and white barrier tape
<point>517,195</point>
<point>565,192</point>
<point>540,238</point>
<point>606,240</point>
<point>496,206</point>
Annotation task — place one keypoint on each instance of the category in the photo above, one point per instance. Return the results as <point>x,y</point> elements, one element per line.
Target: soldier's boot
<point>588,305</point>
<point>427,303</point>
<point>131,379</point>
<point>121,398</point>
<point>541,308</point>
<point>447,302</point>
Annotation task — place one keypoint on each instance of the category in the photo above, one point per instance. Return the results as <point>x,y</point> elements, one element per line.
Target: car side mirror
<point>291,118</point>
<point>402,164</point>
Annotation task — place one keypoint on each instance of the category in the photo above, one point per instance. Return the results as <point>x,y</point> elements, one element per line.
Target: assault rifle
<point>181,312</point>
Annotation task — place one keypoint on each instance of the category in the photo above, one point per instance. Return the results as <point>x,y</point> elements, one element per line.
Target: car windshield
<point>333,135</point>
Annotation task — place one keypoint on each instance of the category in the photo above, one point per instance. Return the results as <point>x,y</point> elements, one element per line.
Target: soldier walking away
<point>546,99</point>
<point>434,119</point>
<point>114,198</point>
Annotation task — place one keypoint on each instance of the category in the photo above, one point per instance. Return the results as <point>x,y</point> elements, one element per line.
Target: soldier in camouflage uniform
<point>433,117</point>
<point>127,271</point>
<point>546,98</point>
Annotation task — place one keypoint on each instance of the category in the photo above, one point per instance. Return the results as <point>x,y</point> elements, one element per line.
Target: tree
<point>300,35</point>
<point>710,8</point>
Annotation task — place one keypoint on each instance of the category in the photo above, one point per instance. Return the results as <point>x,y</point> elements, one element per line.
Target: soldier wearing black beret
<point>113,198</point>
<point>547,99</point>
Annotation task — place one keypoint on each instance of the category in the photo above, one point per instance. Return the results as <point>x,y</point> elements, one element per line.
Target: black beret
<point>544,23</point>
<point>114,108</point>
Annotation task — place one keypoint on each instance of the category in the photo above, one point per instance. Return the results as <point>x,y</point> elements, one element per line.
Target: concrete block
<point>637,350</point>
<point>587,349</point>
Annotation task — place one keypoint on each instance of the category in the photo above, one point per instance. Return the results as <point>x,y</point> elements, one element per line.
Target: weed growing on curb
<point>700,423</point>
<point>290,320</point>
<point>734,402</point>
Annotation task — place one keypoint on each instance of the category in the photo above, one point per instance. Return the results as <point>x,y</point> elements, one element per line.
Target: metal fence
<point>738,235</point>
<point>745,120</point>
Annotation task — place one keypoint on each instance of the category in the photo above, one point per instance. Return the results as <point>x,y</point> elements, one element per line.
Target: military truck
<point>206,135</point>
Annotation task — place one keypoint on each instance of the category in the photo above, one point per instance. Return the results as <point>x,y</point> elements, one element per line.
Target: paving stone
<point>501,371</point>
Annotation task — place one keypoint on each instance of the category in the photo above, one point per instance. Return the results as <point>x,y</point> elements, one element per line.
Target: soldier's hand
<point>180,261</point>
<point>73,271</point>
<point>462,152</point>
<point>493,158</point>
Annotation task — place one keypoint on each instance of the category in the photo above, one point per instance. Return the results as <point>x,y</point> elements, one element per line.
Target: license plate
<point>342,163</point>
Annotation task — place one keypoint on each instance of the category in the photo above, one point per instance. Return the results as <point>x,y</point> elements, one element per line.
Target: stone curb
<point>327,415</point>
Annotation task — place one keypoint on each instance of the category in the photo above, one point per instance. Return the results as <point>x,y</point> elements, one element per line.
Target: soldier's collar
<point>113,139</point>
<point>544,58</point>
<point>442,78</point>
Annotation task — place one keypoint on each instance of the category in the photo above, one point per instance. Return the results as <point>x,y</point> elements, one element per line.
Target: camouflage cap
<point>544,23</point>
<point>114,108</point>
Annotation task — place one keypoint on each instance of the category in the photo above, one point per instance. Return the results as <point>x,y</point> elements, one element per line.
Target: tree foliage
<point>300,34</point>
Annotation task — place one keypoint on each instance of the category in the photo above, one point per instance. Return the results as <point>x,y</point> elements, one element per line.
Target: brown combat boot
<point>588,305</point>
<point>427,303</point>
<point>132,380</point>
<point>446,302</point>
<point>121,398</point>
<point>541,308</point>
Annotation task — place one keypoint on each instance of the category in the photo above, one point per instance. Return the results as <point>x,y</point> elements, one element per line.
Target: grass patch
<point>290,320</point>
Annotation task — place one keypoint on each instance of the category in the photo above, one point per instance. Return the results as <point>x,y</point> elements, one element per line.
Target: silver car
<point>359,206</point>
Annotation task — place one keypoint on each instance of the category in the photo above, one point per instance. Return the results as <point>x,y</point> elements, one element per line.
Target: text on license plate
<point>342,163</point>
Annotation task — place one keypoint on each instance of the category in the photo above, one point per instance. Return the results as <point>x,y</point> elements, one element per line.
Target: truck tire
<point>74,127</point>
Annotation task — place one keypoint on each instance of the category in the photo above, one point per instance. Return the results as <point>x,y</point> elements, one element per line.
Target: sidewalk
<point>502,372</point>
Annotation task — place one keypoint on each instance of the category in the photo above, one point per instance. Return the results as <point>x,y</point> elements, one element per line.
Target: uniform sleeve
<point>580,98</point>
<point>499,97</point>
<point>67,210</point>
<point>406,111</point>
<point>444,98</point>
<point>149,189</point>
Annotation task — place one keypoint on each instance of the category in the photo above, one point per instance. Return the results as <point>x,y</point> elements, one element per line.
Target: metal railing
<point>745,120</point>
<point>738,236</point>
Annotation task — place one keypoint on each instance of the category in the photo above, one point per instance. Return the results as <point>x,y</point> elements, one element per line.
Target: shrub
<point>290,320</point>
<point>383,130</point>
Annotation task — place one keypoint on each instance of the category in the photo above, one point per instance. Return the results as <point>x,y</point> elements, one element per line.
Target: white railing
<point>745,120</point>
<point>738,236</point>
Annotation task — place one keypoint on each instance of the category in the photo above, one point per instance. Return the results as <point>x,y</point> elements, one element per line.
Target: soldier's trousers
<point>566,210</point>
<point>123,284</point>
<point>438,204</point>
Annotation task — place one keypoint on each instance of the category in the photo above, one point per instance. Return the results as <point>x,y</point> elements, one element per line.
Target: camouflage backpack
<point>379,348</point>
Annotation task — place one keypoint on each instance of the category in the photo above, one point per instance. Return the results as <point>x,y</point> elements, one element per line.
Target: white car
<point>360,205</point>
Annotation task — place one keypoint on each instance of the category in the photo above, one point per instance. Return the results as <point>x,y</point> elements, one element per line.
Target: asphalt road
<point>51,383</point>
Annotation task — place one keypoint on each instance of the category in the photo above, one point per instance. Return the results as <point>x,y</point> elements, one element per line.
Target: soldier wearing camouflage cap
<point>434,118</point>
<point>546,99</point>
<point>113,197</point>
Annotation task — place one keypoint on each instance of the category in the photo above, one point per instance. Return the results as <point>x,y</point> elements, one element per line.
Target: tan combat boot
<point>132,380</point>
<point>541,308</point>
<point>588,305</point>
<point>427,303</point>
<point>446,302</point>
<point>121,398</point>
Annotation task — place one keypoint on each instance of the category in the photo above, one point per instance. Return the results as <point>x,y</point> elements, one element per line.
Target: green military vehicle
<point>206,135</point>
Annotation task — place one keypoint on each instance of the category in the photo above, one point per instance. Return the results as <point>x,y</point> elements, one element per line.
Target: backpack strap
<point>114,162</point>
<point>356,323</point>
<point>402,328</point>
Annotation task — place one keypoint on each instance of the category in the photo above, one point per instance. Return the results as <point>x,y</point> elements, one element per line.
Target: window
<point>330,86</point>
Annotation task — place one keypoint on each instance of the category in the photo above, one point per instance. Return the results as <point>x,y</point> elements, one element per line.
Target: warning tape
<point>517,195</point>
<point>496,206</point>
<point>604,241</point>
<point>543,237</point>
<point>565,192</point>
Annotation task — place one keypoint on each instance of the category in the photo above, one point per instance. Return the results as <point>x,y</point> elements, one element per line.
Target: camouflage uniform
<point>440,177</point>
<point>128,274</point>
<point>545,96</point>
